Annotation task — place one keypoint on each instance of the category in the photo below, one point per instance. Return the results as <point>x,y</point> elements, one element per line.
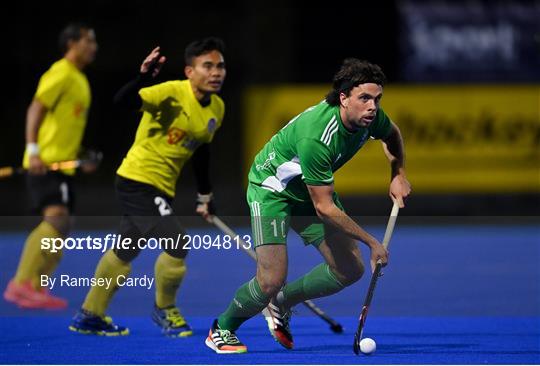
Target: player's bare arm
<point>330,214</point>
<point>400,188</point>
<point>34,117</point>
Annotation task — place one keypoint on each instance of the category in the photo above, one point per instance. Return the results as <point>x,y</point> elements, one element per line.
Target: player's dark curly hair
<point>72,32</point>
<point>352,73</point>
<point>200,47</point>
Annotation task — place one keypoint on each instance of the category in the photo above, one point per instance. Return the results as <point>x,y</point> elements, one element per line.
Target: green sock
<point>248,301</point>
<point>317,283</point>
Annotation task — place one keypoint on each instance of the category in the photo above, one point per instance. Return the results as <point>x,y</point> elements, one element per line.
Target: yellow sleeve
<point>221,111</point>
<point>50,87</point>
<point>154,95</point>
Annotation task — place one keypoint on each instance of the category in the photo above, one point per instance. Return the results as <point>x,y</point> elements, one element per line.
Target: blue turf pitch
<point>399,341</point>
<point>451,295</point>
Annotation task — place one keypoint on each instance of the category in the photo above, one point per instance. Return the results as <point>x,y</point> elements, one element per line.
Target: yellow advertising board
<point>458,138</point>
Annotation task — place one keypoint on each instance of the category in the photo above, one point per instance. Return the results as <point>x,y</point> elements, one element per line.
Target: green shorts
<point>272,214</point>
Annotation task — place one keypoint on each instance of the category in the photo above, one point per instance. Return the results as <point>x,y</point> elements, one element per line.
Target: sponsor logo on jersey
<point>191,144</point>
<point>174,135</point>
<point>267,162</point>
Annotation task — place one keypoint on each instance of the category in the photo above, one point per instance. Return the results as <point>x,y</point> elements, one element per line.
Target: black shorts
<point>52,188</point>
<point>145,210</point>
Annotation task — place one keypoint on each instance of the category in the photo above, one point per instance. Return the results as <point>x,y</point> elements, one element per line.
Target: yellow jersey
<point>173,125</point>
<point>65,91</point>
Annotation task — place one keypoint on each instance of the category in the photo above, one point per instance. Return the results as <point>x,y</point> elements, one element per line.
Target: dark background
<point>267,43</point>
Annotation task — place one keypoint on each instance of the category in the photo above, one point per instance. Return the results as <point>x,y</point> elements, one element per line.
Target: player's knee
<point>176,251</point>
<point>58,217</point>
<point>351,273</point>
<point>270,286</point>
<point>356,272</point>
<point>127,254</point>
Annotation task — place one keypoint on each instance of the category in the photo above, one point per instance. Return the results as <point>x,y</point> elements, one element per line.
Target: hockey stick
<point>334,326</point>
<point>94,158</point>
<point>374,277</point>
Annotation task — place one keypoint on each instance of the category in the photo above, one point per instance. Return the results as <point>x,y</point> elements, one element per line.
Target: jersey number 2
<point>163,206</point>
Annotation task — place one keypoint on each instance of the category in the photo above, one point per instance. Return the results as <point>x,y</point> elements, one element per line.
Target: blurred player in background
<point>55,124</point>
<point>178,123</point>
<point>291,184</point>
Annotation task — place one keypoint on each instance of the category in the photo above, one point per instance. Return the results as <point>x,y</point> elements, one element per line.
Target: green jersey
<point>309,149</point>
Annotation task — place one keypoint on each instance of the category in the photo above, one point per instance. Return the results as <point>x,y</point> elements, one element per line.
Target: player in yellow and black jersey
<point>179,121</point>
<point>55,124</point>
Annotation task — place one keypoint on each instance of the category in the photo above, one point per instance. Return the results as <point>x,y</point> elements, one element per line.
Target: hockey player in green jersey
<point>291,185</point>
